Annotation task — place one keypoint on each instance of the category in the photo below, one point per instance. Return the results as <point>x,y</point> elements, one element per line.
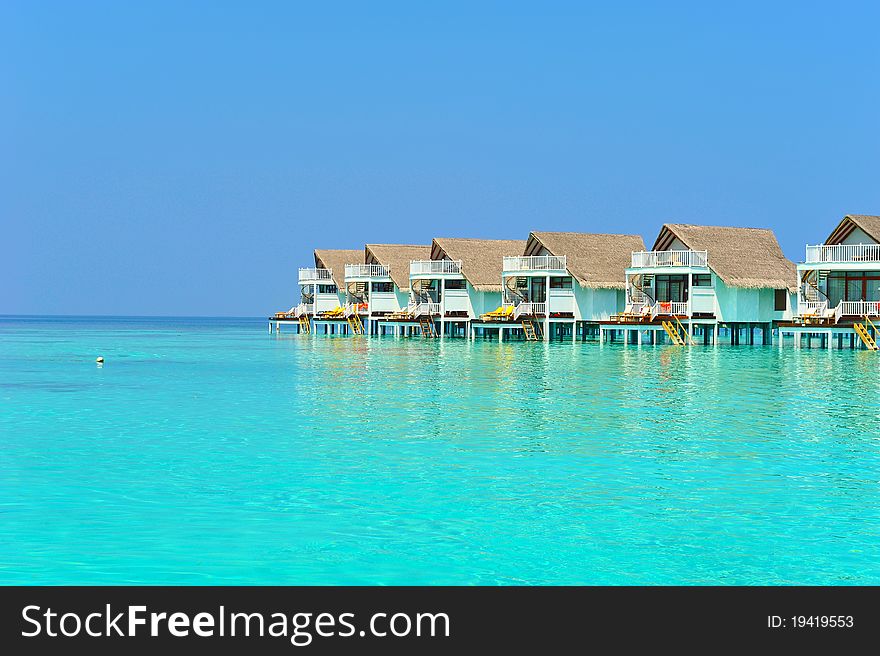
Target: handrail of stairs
<point>684,330</point>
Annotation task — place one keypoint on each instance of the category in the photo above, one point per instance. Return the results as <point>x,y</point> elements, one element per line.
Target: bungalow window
<point>671,289</point>
<point>703,280</point>
<point>780,300</point>
<point>326,289</point>
<point>383,286</point>
<point>560,282</point>
<point>456,284</point>
<point>853,286</point>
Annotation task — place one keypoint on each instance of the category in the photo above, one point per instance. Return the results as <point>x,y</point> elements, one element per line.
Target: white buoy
<point>100,359</point>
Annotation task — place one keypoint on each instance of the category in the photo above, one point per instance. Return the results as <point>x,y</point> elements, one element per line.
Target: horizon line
<point>128,316</point>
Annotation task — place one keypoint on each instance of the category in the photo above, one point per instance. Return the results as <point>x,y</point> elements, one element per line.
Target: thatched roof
<point>594,260</point>
<point>481,259</point>
<point>336,260</point>
<point>868,223</point>
<point>397,257</point>
<point>742,257</point>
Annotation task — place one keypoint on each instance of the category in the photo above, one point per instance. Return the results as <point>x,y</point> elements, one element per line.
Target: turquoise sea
<point>206,451</point>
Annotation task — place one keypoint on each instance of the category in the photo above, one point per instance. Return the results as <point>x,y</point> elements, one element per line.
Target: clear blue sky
<point>185,158</point>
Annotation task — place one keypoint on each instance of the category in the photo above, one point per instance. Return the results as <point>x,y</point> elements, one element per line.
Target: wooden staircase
<point>305,326</point>
<point>532,330</point>
<point>673,333</point>
<point>427,326</point>
<point>355,323</point>
<point>680,325</point>
<point>865,334</point>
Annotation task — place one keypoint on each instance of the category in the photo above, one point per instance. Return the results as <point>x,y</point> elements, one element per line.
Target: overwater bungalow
<point>699,280</point>
<point>378,287</point>
<point>562,284</point>
<point>839,287</point>
<point>458,282</point>
<point>322,299</point>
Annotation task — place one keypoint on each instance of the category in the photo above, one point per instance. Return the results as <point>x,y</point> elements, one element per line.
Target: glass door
<point>539,290</point>
<point>672,289</point>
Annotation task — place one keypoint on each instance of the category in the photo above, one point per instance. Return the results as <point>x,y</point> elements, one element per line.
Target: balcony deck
<point>818,313</point>
<point>647,313</point>
<point>669,259</point>
<point>542,265</point>
<point>367,272</point>
<point>843,254</point>
<point>434,268</point>
<point>624,319</point>
<point>313,275</point>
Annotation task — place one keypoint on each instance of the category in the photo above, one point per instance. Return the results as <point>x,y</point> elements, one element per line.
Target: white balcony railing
<point>535,263</point>
<point>425,309</point>
<point>315,275</point>
<point>351,309</point>
<point>812,308</point>
<point>857,309</point>
<point>843,253</point>
<point>367,271</point>
<point>303,309</point>
<point>529,309</point>
<point>648,259</point>
<point>673,308</point>
<point>427,267</point>
<point>638,307</point>
<point>820,310</point>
